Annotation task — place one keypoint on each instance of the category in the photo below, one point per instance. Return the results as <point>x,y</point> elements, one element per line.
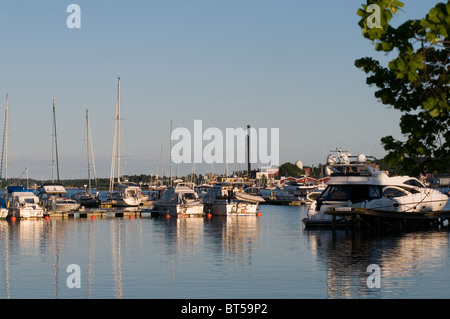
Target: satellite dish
<point>299,164</point>
<point>362,158</point>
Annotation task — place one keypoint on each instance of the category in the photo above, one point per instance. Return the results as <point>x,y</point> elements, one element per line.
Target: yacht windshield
<point>29,200</point>
<point>354,193</point>
<point>414,182</point>
<point>349,170</point>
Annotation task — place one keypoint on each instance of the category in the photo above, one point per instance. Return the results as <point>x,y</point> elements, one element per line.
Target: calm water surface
<point>271,256</point>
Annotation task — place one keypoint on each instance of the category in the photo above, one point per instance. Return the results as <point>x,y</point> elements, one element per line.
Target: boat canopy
<point>53,189</point>
<point>13,189</point>
<point>179,195</point>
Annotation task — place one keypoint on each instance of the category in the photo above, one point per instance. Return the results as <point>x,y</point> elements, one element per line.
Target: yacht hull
<point>178,210</point>
<point>26,213</point>
<point>231,209</point>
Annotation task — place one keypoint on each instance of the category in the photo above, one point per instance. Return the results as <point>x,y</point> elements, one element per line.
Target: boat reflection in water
<point>403,260</point>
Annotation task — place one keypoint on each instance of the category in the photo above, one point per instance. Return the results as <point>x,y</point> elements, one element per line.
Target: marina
<point>192,153</point>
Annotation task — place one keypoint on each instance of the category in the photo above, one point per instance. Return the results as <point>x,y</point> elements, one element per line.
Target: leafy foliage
<point>289,169</point>
<point>415,82</point>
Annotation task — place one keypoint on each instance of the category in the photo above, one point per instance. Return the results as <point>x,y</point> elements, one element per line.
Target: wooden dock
<point>105,210</point>
<point>100,213</point>
<point>375,219</point>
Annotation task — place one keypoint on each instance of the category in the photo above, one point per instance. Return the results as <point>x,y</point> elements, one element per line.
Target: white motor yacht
<point>179,200</point>
<point>230,199</point>
<point>22,203</point>
<point>294,192</point>
<point>126,195</point>
<point>362,185</point>
<point>52,197</point>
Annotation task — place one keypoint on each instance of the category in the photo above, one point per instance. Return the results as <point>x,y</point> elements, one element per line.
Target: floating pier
<point>269,201</point>
<point>375,219</point>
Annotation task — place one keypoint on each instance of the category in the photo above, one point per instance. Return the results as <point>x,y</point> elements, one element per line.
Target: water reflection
<point>345,257</point>
<point>233,238</point>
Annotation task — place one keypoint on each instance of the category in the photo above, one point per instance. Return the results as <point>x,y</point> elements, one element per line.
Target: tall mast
<point>5,145</point>
<point>55,145</point>
<point>118,130</point>
<point>88,150</point>
<point>248,152</point>
<point>114,149</point>
<point>162,171</point>
<point>170,152</point>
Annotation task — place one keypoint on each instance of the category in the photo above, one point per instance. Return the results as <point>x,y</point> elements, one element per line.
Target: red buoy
<point>92,217</point>
<point>13,219</point>
<point>47,218</point>
<point>131,216</point>
<point>209,215</point>
<point>167,216</point>
<point>258,214</point>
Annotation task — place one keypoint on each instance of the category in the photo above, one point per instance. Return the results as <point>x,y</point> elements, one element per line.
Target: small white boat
<point>361,185</point>
<point>22,203</point>
<point>230,199</point>
<point>52,198</point>
<point>295,192</point>
<point>126,195</point>
<point>178,201</point>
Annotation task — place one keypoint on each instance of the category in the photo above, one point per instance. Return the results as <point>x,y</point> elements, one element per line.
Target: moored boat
<point>361,185</point>
<point>52,197</point>
<point>126,195</point>
<point>22,203</point>
<point>86,198</point>
<point>230,199</point>
<point>179,200</point>
<point>294,192</point>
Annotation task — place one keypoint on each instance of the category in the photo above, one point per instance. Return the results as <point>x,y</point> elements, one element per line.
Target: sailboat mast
<point>88,151</point>
<point>118,131</point>
<point>170,152</point>
<point>5,145</point>
<point>162,171</point>
<point>55,141</point>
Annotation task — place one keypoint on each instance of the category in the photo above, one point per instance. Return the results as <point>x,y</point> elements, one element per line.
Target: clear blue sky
<point>271,64</point>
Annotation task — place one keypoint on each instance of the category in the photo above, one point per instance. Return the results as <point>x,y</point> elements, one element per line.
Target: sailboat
<point>84,196</point>
<point>3,207</point>
<point>123,193</point>
<point>52,195</point>
<point>18,202</point>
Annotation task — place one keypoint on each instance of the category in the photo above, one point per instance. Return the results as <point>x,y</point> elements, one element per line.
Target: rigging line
<point>92,153</point>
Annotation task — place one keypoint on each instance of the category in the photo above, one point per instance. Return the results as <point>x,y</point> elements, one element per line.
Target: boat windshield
<point>168,196</point>
<point>189,196</point>
<point>414,182</point>
<point>353,193</point>
<point>350,170</point>
<point>392,192</point>
<point>29,200</point>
